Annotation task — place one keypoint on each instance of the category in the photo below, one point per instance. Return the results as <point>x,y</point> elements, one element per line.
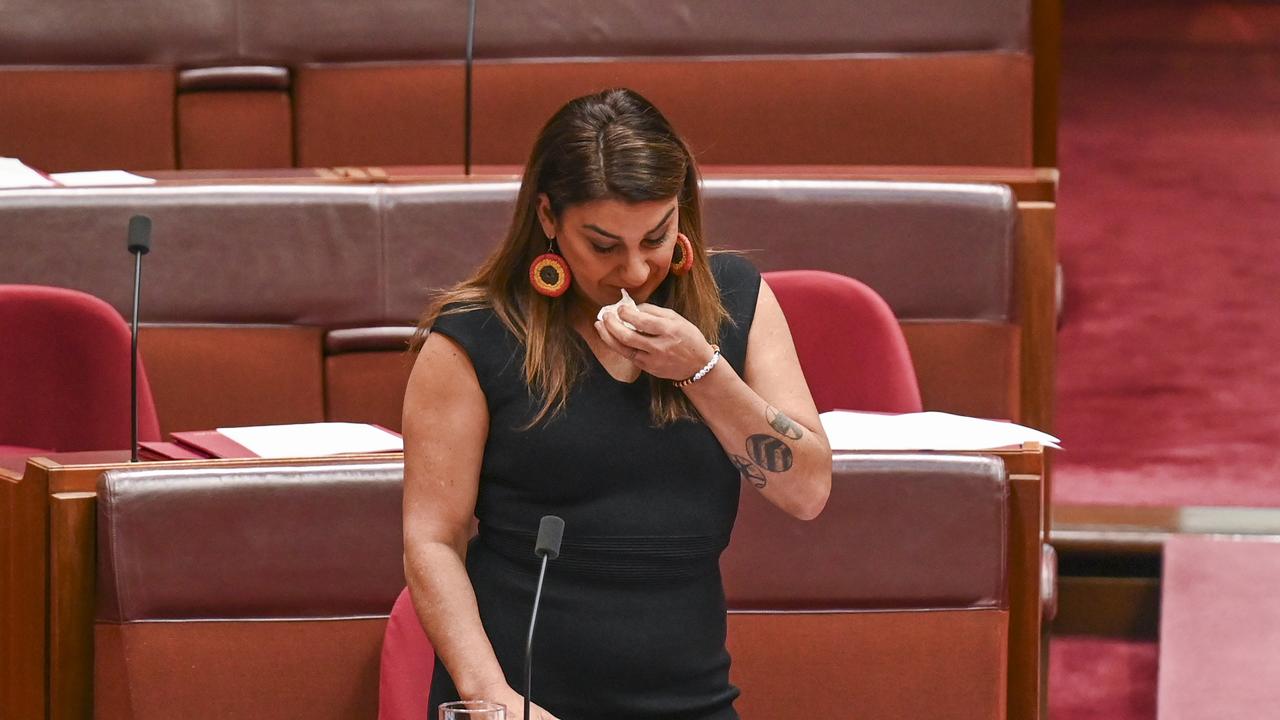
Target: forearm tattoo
<point>767,451</point>
<point>749,471</point>
<point>781,424</point>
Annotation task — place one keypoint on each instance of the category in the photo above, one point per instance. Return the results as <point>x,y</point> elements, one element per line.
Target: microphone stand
<point>528,645</point>
<point>466,101</point>
<point>547,547</point>
<point>133,361</point>
<point>139,244</point>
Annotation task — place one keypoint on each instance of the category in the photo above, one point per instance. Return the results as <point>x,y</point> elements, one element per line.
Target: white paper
<point>847,430</point>
<point>15,174</point>
<point>312,439</point>
<point>101,178</point>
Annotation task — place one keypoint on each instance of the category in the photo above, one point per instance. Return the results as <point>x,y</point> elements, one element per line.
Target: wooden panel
<point>1046,47</point>
<point>394,114</point>
<point>910,109</point>
<point>366,387</point>
<point>1025,616</point>
<point>235,129</point>
<point>211,376</point>
<point>24,545</point>
<point>967,368</point>
<point>939,664</point>
<point>59,119</point>
<point>72,540</point>
<point>1037,269</point>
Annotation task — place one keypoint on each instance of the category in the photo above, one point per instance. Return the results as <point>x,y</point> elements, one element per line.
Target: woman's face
<point>612,245</point>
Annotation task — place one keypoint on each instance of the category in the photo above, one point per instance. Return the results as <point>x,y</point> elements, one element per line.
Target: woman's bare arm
<point>446,422</point>
<point>766,421</point>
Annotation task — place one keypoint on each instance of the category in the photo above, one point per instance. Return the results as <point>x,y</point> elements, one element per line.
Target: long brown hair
<point>609,145</point>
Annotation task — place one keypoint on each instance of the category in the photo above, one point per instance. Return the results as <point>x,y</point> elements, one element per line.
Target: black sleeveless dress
<point>632,621</point>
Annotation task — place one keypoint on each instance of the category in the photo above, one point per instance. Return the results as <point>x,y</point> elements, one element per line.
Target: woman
<point>635,428</point>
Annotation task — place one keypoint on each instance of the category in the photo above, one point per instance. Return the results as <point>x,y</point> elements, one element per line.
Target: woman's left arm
<point>766,421</point>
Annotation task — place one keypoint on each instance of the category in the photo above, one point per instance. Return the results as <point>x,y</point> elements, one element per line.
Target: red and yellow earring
<point>682,256</point>
<point>549,274</point>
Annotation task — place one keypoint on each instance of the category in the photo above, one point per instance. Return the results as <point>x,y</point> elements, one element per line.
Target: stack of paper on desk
<point>275,441</point>
<point>848,430</point>
<point>15,174</point>
<point>312,439</point>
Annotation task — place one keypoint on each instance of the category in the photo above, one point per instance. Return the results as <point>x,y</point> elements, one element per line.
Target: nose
<point>635,271</point>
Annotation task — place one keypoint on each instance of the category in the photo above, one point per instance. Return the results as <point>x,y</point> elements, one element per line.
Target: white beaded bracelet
<point>715,358</point>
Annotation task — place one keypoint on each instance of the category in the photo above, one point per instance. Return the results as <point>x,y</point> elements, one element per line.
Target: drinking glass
<point>473,710</point>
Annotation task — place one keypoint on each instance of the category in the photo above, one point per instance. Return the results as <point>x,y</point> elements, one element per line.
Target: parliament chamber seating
<point>243,592</point>
<point>894,601</point>
<point>289,303</point>
<point>850,347</point>
<point>293,303</point>
<point>64,358</point>
<point>157,84</point>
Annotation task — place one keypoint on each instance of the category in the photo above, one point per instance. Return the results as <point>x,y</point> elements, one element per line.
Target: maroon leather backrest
<point>244,592</point>
<point>267,542</point>
<point>126,84</point>
<point>295,261</point>
<point>933,251</point>
<point>818,82</point>
<point>339,256</point>
<point>899,531</point>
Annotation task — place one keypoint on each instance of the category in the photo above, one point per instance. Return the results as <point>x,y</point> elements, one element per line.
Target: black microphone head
<point>550,532</point>
<point>140,234</point>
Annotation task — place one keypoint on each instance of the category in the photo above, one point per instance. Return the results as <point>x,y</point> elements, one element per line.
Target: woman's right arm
<point>446,422</point>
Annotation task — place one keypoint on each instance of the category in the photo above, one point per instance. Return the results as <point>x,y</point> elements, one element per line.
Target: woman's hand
<point>664,344</point>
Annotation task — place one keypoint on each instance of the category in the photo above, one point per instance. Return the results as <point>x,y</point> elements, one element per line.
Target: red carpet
<point>1169,227</point>
<point>1102,679</point>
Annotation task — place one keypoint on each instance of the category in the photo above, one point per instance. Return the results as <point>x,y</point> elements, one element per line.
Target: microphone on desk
<point>547,547</point>
<point>139,244</point>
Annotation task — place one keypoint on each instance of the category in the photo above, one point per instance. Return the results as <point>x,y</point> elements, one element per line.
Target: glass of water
<point>473,710</point>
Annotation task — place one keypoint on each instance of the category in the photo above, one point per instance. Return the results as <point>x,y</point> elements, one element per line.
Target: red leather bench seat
<point>245,282</point>
<point>894,601</point>
<point>822,82</point>
<point>248,593</point>
<point>819,82</point>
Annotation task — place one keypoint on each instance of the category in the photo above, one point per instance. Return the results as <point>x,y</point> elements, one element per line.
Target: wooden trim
<point>1037,269</point>
<point>24,547</point>
<point>72,576</point>
<point>1046,50</point>
<point>1025,622</point>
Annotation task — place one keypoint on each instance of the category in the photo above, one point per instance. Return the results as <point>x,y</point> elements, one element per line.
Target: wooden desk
<point>48,511</point>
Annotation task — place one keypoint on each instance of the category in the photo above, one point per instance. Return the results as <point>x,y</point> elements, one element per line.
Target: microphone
<point>139,244</point>
<point>466,100</point>
<point>547,547</point>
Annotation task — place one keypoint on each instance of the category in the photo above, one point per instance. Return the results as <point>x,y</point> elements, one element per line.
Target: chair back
<point>851,347</point>
<point>247,592</point>
<point>64,372</point>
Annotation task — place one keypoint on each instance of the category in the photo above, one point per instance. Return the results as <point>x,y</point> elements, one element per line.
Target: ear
<point>545,217</point>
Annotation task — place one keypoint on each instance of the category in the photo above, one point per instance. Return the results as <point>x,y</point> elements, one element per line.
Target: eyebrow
<point>652,230</point>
